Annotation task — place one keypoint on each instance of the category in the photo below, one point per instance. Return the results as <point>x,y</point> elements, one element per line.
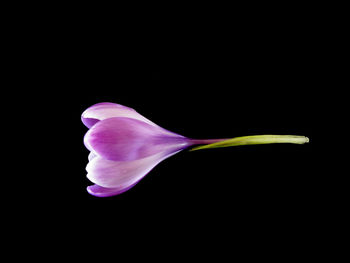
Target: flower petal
<point>100,191</point>
<point>110,174</point>
<point>126,139</point>
<point>91,156</point>
<point>105,110</point>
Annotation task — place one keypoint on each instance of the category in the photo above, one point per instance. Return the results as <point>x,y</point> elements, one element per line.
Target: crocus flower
<point>124,146</point>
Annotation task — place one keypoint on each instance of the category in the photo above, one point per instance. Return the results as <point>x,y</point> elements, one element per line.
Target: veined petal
<point>121,175</point>
<point>105,110</point>
<point>127,139</point>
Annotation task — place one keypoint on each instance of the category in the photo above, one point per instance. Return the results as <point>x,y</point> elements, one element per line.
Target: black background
<point>203,79</point>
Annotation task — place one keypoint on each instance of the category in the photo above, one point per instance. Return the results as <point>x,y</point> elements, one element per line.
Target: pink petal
<point>110,174</point>
<point>100,191</point>
<point>105,110</point>
<point>126,139</point>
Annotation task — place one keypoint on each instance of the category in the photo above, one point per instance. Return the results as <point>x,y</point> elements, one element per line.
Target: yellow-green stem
<point>254,140</point>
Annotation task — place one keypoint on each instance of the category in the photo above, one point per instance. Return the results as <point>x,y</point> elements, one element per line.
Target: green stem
<point>254,140</point>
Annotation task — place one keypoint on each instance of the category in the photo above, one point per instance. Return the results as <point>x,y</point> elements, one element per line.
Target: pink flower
<point>124,147</point>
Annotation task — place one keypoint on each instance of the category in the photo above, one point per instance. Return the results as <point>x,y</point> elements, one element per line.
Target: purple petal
<point>111,174</point>
<point>100,191</point>
<point>105,110</point>
<point>126,139</point>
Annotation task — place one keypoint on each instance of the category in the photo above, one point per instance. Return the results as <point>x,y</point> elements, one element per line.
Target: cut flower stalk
<point>254,140</point>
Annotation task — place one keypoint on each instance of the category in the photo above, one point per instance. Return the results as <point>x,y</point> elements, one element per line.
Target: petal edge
<point>100,191</point>
<point>105,110</point>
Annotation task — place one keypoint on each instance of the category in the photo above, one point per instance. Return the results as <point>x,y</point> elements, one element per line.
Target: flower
<point>124,146</point>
